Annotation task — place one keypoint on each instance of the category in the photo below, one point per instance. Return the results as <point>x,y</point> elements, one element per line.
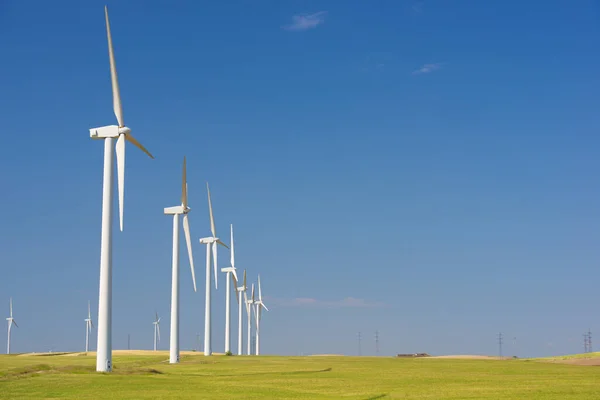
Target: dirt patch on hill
<point>592,361</point>
<point>471,357</point>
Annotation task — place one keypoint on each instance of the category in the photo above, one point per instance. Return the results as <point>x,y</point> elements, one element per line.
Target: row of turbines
<point>122,134</point>
<point>253,309</point>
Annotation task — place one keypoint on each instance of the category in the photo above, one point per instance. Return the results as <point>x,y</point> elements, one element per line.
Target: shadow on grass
<point>381,396</point>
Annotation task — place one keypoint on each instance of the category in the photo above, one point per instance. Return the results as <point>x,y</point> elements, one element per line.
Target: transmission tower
<point>377,342</point>
<point>590,341</point>
<point>585,343</point>
<point>500,344</point>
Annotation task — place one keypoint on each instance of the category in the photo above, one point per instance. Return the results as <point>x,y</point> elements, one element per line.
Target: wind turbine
<point>176,211</point>
<point>88,328</point>
<point>108,133</point>
<point>11,321</point>
<point>259,305</point>
<point>240,322</point>
<point>230,271</point>
<point>156,324</point>
<point>211,241</point>
<point>249,309</point>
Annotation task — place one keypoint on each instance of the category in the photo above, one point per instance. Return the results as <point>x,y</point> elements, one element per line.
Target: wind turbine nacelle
<point>111,131</point>
<point>208,240</point>
<point>174,210</point>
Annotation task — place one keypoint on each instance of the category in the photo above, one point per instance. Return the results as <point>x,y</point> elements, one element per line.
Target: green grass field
<point>265,377</point>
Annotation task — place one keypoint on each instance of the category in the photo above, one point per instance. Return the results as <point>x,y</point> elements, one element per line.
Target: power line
<point>377,342</point>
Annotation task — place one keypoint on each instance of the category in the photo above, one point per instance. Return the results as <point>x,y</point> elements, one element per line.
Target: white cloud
<point>428,68</point>
<point>307,21</point>
<point>417,7</point>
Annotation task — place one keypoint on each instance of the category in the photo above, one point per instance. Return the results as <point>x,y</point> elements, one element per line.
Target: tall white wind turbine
<point>88,328</point>
<point>10,321</point>
<point>176,211</point>
<point>259,306</point>
<point>156,324</point>
<point>108,133</point>
<point>249,308</point>
<point>241,289</point>
<point>211,243</point>
<point>230,271</point>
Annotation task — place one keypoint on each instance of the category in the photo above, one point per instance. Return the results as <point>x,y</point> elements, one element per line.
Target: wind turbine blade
<point>237,295</point>
<point>121,175</point>
<point>89,312</point>
<point>156,314</point>
<point>244,285</point>
<point>222,244</point>
<point>14,322</point>
<point>188,241</point>
<point>158,331</point>
<point>137,144</point>
<point>259,292</point>
<point>113,75</point>
<point>253,292</point>
<point>214,249</point>
<point>10,302</point>
<point>246,302</point>
<point>92,324</point>
<point>263,306</point>
<point>234,274</point>
<point>184,202</point>
<point>232,252</point>
<point>210,210</point>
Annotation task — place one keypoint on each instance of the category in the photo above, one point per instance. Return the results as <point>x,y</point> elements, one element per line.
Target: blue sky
<point>427,169</point>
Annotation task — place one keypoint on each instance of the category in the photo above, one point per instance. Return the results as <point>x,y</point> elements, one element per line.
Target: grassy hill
<point>147,375</point>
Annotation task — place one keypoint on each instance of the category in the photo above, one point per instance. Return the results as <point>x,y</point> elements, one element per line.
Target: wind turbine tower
<point>176,211</point>
<point>210,242</point>
<point>230,271</point>
<point>259,306</point>
<point>88,328</point>
<point>10,321</point>
<point>156,324</point>
<point>108,134</point>
<point>249,310</point>
<point>241,289</point>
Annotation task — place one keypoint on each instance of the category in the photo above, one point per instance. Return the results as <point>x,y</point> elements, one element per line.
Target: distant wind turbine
<point>241,289</point>
<point>176,211</point>
<point>11,321</point>
<point>210,242</point>
<point>156,324</point>
<point>259,306</point>
<point>108,133</point>
<point>230,271</point>
<point>88,328</point>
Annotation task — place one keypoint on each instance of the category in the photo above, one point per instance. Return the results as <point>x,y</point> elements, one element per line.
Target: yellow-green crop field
<point>147,375</point>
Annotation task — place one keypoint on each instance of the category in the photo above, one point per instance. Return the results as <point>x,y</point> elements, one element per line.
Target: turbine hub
<point>124,130</point>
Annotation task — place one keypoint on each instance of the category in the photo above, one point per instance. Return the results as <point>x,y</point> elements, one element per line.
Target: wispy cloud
<point>417,7</point>
<point>306,21</point>
<point>348,302</point>
<point>428,68</point>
